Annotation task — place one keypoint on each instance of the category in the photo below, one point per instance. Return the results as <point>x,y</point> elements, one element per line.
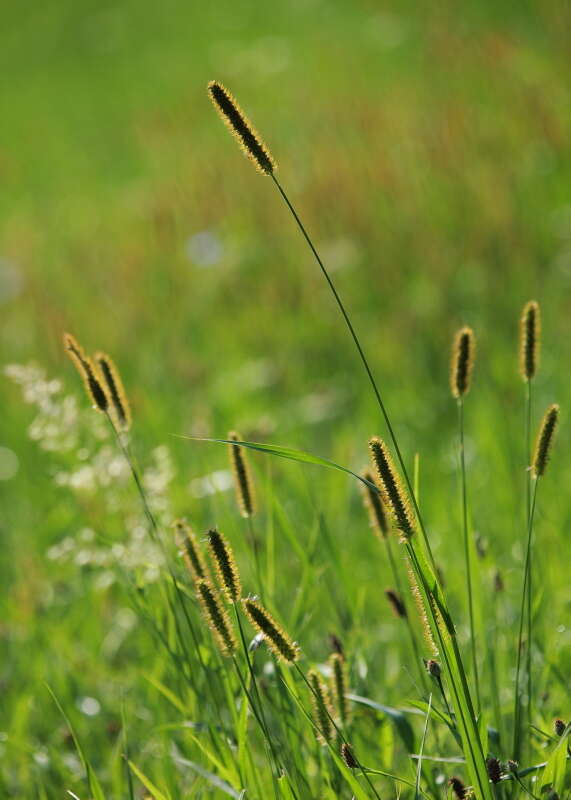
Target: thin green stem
<point>517,700</point>
<point>530,564</point>
<point>364,361</point>
<point>467,548</point>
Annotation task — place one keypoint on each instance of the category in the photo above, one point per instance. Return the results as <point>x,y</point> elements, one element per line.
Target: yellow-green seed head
<point>216,617</point>
<point>393,489</point>
<point>374,504</point>
<point>88,372</point>
<point>529,340</point>
<point>114,387</point>
<point>225,564</point>
<point>190,548</point>
<point>544,442</point>
<point>339,686</point>
<point>462,362</point>
<point>243,483</point>
<point>322,712</point>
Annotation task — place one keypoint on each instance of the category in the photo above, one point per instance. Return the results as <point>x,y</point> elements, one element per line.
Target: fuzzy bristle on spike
<point>274,636</point>
<point>88,372</point>
<point>321,707</point>
<point>339,686</point>
<point>226,568</point>
<point>374,504</point>
<point>544,442</point>
<point>529,340</point>
<point>190,548</point>
<point>243,483</point>
<point>348,757</point>
<point>241,127</point>
<point>391,484</point>
<point>115,390</point>
<point>419,602</point>
<point>462,362</point>
<point>216,616</point>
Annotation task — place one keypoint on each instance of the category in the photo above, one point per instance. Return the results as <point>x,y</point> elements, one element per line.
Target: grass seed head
<point>544,440</point>
<point>559,727</point>
<point>462,362</point>
<point>373,501</point>
<point>529,340</point>
<point>458,788</point>
<point>216,617</point>
<point>391,484</point>
<point>88,372</point>
<point>115,390</point>
<point>191,551</point>
<point>321,707</point>
<point>274,635</point>
<point>243,483</point>
<point>396,603</point>
<point>348,757</point>
<point>494,769</point>
<point>241,127</point>
<point>226,569</point>
<point>419,602</point>
<point>339,686</point>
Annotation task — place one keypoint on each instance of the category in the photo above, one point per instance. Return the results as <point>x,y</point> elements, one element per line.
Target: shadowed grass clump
<point>274,635</point>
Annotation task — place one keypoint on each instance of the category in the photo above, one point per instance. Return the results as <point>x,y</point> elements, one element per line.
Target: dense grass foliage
<point>427,151</point>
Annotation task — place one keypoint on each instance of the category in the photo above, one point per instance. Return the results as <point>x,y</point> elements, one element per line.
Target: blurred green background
<point>426,147</point>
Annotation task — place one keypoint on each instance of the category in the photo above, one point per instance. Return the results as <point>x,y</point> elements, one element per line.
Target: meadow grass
<point>437,199</point>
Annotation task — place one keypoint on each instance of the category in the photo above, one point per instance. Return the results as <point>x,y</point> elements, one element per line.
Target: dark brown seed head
<point>433,668</point>
<point>391,484</point>
<point>348,757</point>
<point>274,635</point>
<point>216,616</point>
<point>243,483</point>
<point>494,769</point>
<point>191,551</point>
<point>225,565</point>
<point>240,126</point>
<point>373,501</point>
<point>544,440</point>
<point>559,726</point>
<point>458,788</point>
<point>336,644</point>
<point>396,602</point>
<point>462,363</point>
<point>88,372</point>
<point>115,390</point>
<point>321,707</point>
<point>529,340</point>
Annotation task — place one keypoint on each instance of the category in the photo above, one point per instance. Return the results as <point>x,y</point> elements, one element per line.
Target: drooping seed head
<point>322,712</point>
<point>241,127</point>
<point>458,788</point>
<point>529,340</point>
<point>462,362</point>
<point>373,501</point>
<point>88,372</point>
<point>348,757</point>
<point>339,686</point>
<point>391,484</point>
<point>243,483</point>
<point>216,616</point>
<point>274,635</point>
<point>190,548</point>
<point>226,569</point>
<point>396,602</point>
<point>544,442</point>
<point>115,390</point>
<point>494,769</point>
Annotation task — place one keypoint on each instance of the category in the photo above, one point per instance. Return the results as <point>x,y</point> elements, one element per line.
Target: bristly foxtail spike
<point>88,372</point>
<point>529,340</point>
<point>321,707</point>
<point>115,390</point>
<point>240,126</point>
<point>225,564</point>
<point>192,554</point>
<point>216,617</point>
<point>391,484</point>
<point>544,442</point>
<point>462,362</point>
<point>274,636</point>
<point>339,686</point>
<point>243,484</point>
<point>374,504</point>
